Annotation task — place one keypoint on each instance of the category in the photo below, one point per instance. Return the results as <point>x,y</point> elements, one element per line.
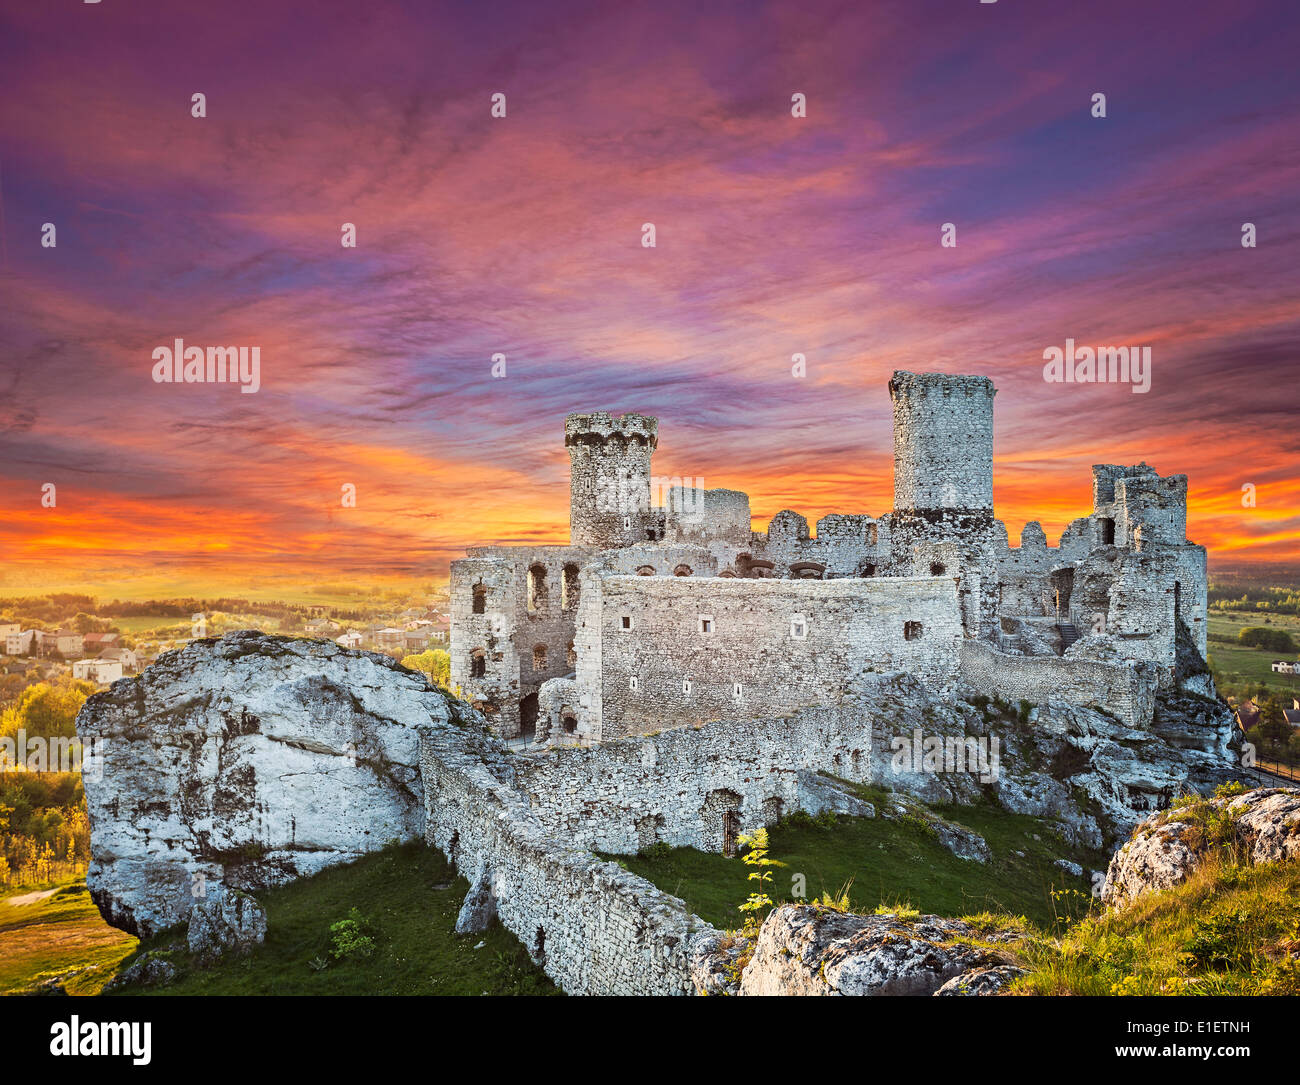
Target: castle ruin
<point>670,614</point>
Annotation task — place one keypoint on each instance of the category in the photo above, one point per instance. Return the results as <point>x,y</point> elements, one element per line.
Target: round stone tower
<point>609,477</point>
<point>943,442</point>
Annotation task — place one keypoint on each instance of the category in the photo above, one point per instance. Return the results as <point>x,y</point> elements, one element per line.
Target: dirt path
<point>30,898</point>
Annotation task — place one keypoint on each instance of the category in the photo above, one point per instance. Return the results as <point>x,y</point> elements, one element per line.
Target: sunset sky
<point>775,235</point>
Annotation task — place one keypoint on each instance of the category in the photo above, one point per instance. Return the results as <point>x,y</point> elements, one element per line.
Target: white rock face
<point>1167,848</point>
<point>248,761</point>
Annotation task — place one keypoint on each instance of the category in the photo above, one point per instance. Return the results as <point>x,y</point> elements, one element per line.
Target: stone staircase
<point>1068,633</point>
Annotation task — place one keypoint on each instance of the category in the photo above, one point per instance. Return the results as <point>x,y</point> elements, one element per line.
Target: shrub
<point>351,937</point>
<point>656,852</point>
<point>1218,942</point>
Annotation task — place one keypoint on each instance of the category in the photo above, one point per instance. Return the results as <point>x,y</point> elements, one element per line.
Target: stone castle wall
<point>769,645</point>
<point>515,623</point>
<point>701,516</point>
<point>676,787</point>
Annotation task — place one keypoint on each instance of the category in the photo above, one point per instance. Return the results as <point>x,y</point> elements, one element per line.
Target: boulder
<point>714,959</point>
<point>982,981</point>
<point>962,842</point>
<point>248,761</point>
<point>151,969</point>
<point>480,906</point>
<point>807,950</point>
<point>1268,823</point>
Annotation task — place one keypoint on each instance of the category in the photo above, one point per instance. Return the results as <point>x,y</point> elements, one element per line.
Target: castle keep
<point>669,613</point>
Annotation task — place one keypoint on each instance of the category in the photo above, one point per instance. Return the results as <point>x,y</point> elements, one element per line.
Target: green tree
<point>1275,640</point>
<point>1293,747</point>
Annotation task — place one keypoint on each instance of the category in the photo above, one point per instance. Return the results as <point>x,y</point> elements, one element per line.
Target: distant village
<point>37,654</point>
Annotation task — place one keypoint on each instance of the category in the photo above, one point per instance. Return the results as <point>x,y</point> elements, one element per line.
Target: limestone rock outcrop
<point>807,950</point>
<point>245,762</point>
<point>228,921</point>
<point>982,981</point>
<point>480,905</point>
<point>1170,846</point>
<point>1077,764</point>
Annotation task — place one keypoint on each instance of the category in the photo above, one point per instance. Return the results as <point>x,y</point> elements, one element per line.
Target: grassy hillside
<point>409,896</point>
<point>57,932</point>
<point>891,862</point>
<point>1231,929</point>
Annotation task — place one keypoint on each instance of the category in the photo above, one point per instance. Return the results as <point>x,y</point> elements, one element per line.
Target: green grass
<point>410,896</point>
<point>57,935</point>
<point>892,862</point>
<point>1228,930</point>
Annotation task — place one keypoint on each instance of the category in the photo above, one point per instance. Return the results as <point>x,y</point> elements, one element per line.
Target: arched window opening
<point>569,587</point>
<point>480,598</point>
<point>536,587</point>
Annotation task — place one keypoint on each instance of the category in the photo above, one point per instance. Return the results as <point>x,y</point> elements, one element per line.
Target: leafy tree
<point>47,709</point>
<point>1275,640</point>
<point>435,662</point>
<point>1293,747</point>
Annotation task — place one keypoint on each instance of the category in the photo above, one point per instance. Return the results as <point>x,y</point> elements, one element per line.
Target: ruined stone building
<point>665,615</point>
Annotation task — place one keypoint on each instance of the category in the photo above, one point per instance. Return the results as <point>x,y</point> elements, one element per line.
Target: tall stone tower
<point>943,443</point>
<point>609,477</point>
<point>942,523</point>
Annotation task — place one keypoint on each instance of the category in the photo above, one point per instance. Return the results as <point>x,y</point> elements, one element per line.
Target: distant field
<point>54,932</point>
<point>1233,621</point>
<point>1233,663</point>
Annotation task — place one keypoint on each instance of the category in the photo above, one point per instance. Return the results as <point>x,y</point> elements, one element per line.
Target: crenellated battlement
<point>602,430</point>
